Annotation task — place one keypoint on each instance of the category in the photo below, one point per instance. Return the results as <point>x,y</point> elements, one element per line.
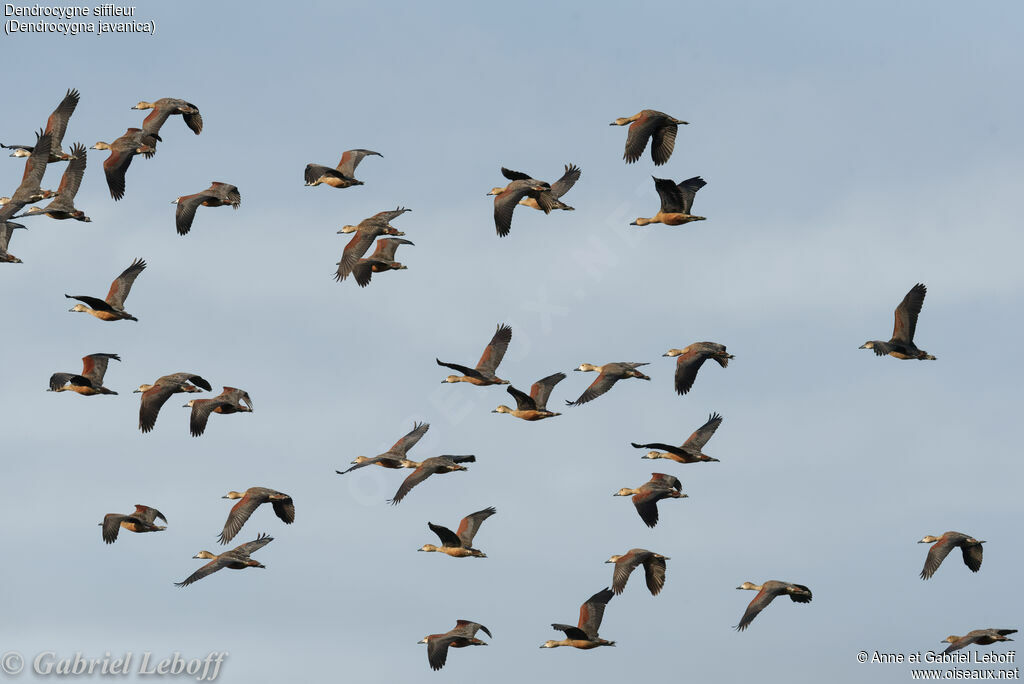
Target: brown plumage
<point>365,233</point>
<point>647,495</point>
<point>460,544</point>
<point>430,466</point>
<point>156,395</point>
<point>608,375</point>
<point>134,141</point>
<point>941,546</point>
<point>28,190</point>
<point>229,401</point>
<point>690,451</point>
<point>90,382</point>
<point>382,259</point>
<point>56,126</point>
<point>396,456</point>
<point>676,202</point>
<point>343,176</point>
<point>462,635</point>
<point>535,405</point>
<point>112,307</point>
<point>169,106</point>
<point>652,125</point>
<point>63,207</point>
<point>6,228</point>
<point>236,559</point>
<point>139,521</point>
<point>584,634</point>
<point>765,593</point>
<point>981,637</point>
<point>483,374</point>
<point>508,198</point>
<point>248,502</point>
<point>654,569</point>
<point>691,358</point>
<point>901,345</point>
<point>217,195</point>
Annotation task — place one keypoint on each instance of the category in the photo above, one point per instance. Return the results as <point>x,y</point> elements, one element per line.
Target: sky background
<point>849,152</point>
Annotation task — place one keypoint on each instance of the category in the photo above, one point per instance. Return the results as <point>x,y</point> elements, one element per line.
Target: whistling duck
<point>6,228</point>
<point>56,126</point>
<point>460,636</point>
<point>676,202</point>
<point>28,190</point>
<point>168,106</point>
<point>647,495</point>
<point>430,466</point>
<point>228,401</point>
<point>460,544</point>
<point>649,124</point>
<point>395,457</point>
<point>365,233</point>
<point>217,195</point>
<point>690,452</point>
<point>483,374</point>
<point>90,382</point>
<point>134,141</point>
<point>63,207</point>
<point>584,635</point>
<point>609,374</point>
<point>902,346</point>
<point>343,176</point>
<point>139,521</point>
<point>981,637</point>
<point>558,188</point>
<point>654,569</point>
<point>382,259</point>
<point>507,198</point>
<point>941,546</point>
<point>154,396</point>
<point>691,358</point>
<point>535,405</point>
<point>249,502</point>
<point>765,593</point>
<point>112,308</point>
<point>236,559</point>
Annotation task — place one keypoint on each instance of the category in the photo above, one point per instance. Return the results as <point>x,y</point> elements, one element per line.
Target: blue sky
<point>849,152</point>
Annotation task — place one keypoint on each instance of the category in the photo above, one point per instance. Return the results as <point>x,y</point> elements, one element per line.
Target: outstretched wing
<point>410,439</point>
<point>350,160</point>
<point>471,523</point>
<point>936,554</point>
<point>541,390</point>
<point>592,611</point>
<point>701,436</point>
<point>122,285</point>
<point>565,183</point>
<point>906,314</point>
<point>447,537</point>
<point>495,350</point>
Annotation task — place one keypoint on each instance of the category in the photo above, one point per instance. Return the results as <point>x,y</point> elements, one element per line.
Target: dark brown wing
<point>799,593</point>
<point>72,178</point>
<point>906,314</point>
<point>624,568</point>
<point>122,285</point>
<point>386,248</point>
<point>592,611</point>
<point>284,509</point>
<point>565,183</point>
<point>239,513</point>
<point>936,554</point>
<point>354,251</point>
<point>208,569</point>
<point>524,402</point>
<point>515,175</point>
<point>468,629</point>
<point>35,166</point>
<point>663,142</point>
<point>756,605</point>
<point>115,167</point>
<point>687,366</point>
<point>152,400</point>
<point>701,436</point>
<point>601,384</point>
<point>571,632</point>
<point>654,573</point>
<point>111,526</point>
<point>185,213</point>
<point>637,135</point>
<point>972,556</point>
<point>647,506</point>
<point>687,189</point>
<point>410,439</point>
<point>541,390</point>
<point>372,461</point>
<point>58,380</point>
<point>256,544</point>
<point>201,410</point>
<point>350,160</point>
<point>471,523</point>
<point>495,350</point>
<point>465,370</point>
<point>671,198</point>
<point>148,514</point>
<point>505,203</point>
<point>95,303</point>
<point>447,537</point>
<point>57,124</point>
<point>415,477</point>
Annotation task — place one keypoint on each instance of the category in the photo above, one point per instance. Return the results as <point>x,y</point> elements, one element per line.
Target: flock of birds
<point>648,126</point>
